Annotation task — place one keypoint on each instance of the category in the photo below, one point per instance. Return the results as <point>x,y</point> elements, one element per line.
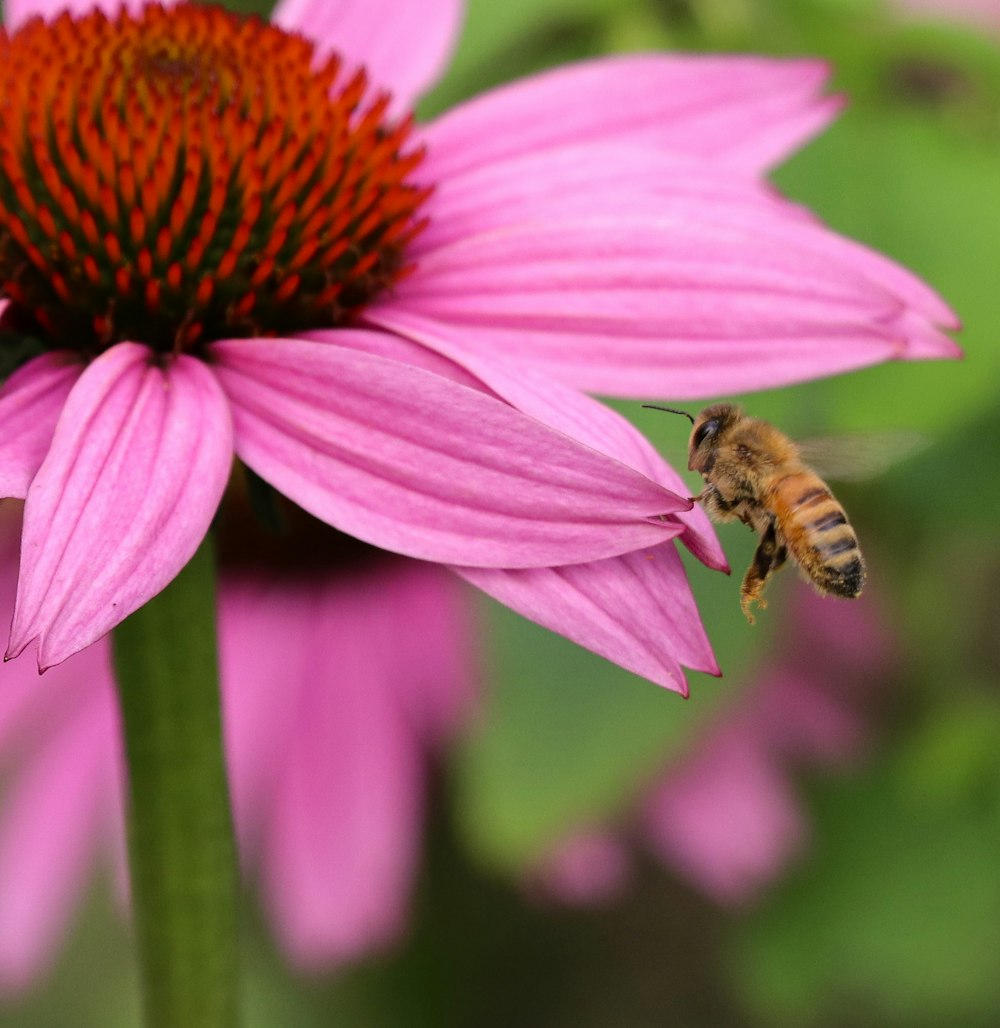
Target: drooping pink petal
<point>669,297</point>
<point>636,610</point>
<point>575,414</point>
<point>137,466</point>
<point>29,705</point>
<point>417,613</point>
<point>411,462</point>
<point>33,707</point>
<point>741,112</point>
<point>403,44</point>
<point>30,403</point>
<point>50,829</point>
<point>18,11</point>
<point>427,614</point>
<point>265,645</point>
<point>727,819</point>
<point>343,830</point>
<point>324,734</point>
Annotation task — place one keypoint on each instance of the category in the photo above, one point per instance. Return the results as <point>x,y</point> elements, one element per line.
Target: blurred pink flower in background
<point>336,689</point>
<point>599,227</point>
<point>982,13</point>
<point>724,815</point>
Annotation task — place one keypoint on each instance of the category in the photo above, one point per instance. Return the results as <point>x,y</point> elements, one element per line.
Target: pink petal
<point>140,458</point>
<point>582,418</point>
<point>814,242</point>
<point>726,819</point>
<point>427,614</point>
<point>636,610</point>
<point>685,301</point>
<point>411,462</point>
<point>580,180</point>
<point>265,644</point>
<point>326,769</point>
<point>49,836</point>
<point>404,45</point>
<point>30,403</point>
<point>33,708</point>
<point>417,612</point>
<point>572,600</point>
<point>743,112</point>
<point>343,831</point>
<point>401,349</point>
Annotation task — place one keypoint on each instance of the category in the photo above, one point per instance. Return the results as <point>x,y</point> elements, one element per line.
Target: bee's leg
<point>768,557</point>
<point>717,507</point>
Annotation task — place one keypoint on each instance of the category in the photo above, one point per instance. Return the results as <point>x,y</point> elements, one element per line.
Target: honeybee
<point>755,473</point>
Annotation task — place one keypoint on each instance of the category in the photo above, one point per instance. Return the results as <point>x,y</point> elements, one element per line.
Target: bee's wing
<point>854,456</point>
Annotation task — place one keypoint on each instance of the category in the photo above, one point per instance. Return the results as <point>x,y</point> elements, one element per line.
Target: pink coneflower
<point>725,817</point>
<point>327,740</point>
<point>226,238</point>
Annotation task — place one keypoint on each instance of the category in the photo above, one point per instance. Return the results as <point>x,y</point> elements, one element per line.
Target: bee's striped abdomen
<point>818,534</point>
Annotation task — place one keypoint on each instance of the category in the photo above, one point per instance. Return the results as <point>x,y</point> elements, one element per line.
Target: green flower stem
<point>181,849</point>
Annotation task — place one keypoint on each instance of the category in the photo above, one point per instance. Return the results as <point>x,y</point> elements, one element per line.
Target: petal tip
<point>717,563</point>
<point>818,69</point>
<point>15,648</point>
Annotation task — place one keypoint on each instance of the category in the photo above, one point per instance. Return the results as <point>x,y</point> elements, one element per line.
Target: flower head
<point>224,238</point>
<point>220,237</point>
<point>183,175</point>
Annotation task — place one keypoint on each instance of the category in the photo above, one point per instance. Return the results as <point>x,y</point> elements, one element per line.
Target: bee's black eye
<point>704,431</point>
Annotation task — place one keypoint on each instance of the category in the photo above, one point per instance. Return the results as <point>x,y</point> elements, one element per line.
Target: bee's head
<point>708,427</point>
<point>706,430</point>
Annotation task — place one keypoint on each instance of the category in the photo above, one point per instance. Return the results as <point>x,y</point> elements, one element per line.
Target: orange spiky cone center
<point>185,174</point>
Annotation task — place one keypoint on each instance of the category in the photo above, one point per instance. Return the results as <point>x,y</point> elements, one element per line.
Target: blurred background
<point>813,838</point>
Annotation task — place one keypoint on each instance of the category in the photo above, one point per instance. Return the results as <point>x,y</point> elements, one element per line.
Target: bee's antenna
<point>669,410</point>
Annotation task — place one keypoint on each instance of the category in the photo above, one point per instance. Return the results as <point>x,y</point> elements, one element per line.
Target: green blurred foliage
<point>897,921</point>
<point>894,917</point>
